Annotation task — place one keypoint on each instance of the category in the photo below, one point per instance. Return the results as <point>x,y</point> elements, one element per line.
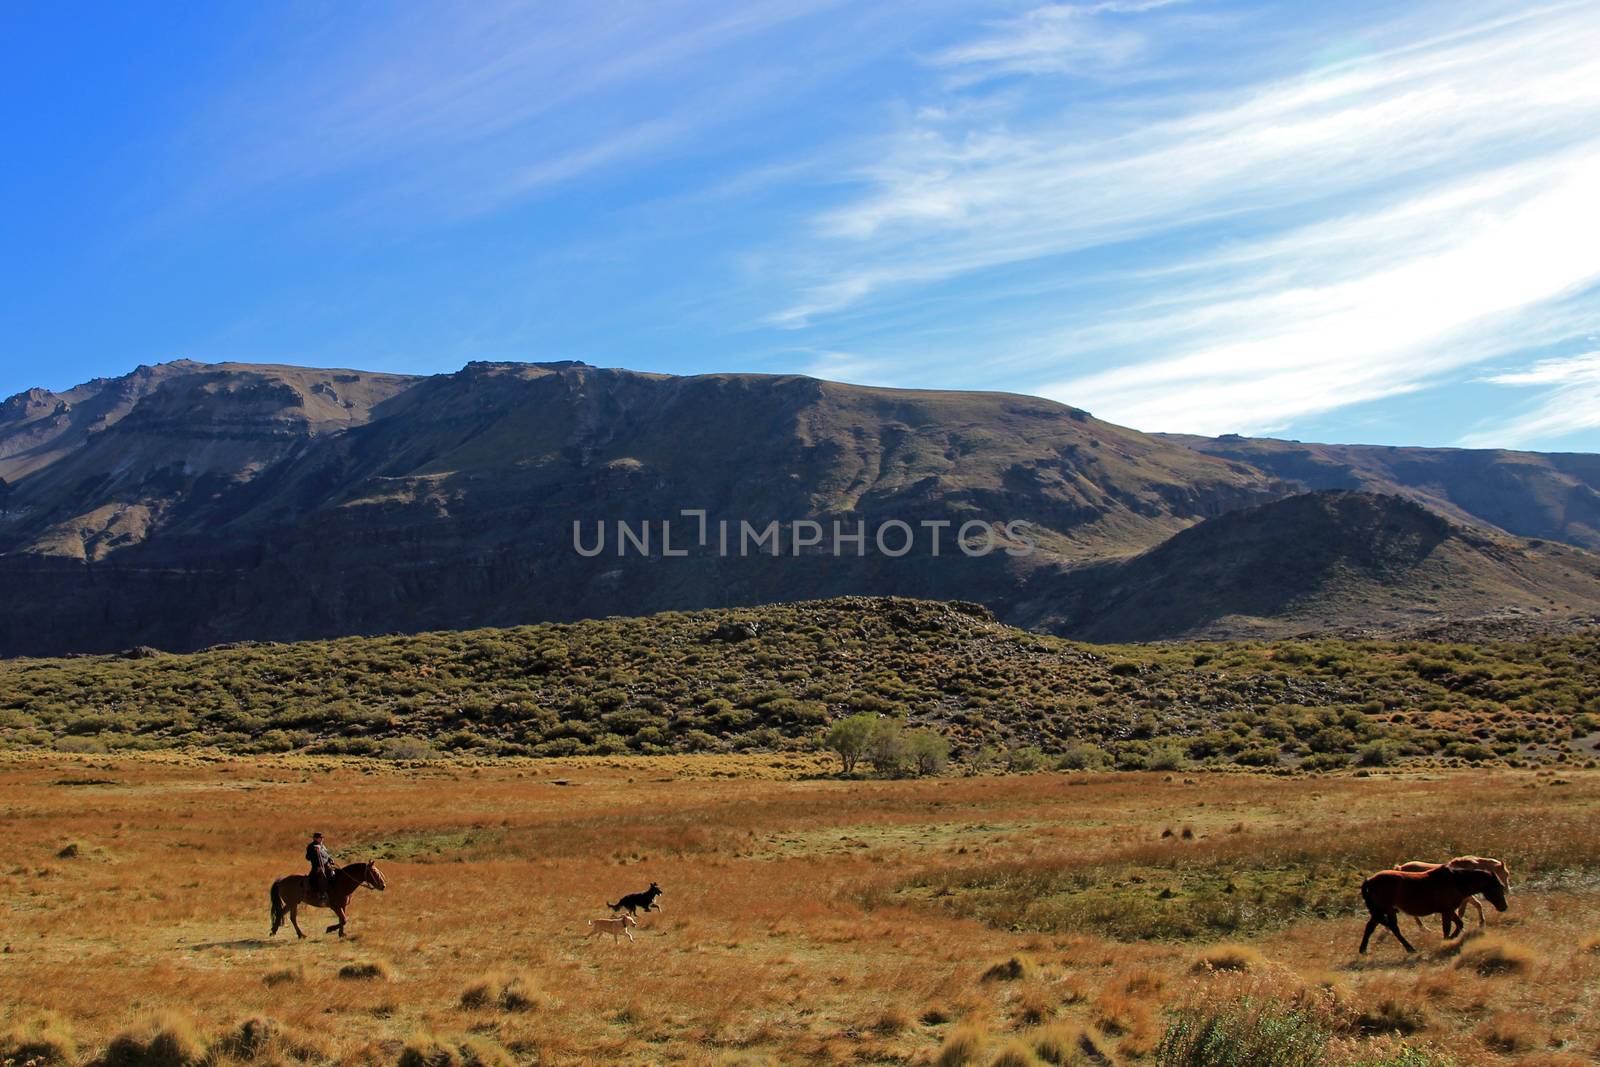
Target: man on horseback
<point>321,866</point>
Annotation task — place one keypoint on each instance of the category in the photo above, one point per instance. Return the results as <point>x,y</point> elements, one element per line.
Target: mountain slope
<point>233,502</point>
<point>189,504</point>
<point>103,466</point>
<point>1322,561</point>
<point>1530,494</point>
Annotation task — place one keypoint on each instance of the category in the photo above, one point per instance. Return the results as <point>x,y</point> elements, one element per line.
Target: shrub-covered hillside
<point>776,677</point>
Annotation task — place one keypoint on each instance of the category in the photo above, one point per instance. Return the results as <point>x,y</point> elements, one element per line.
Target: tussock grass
<point>1011,969</point>
<point>373,970</point>
<point>1061,1045</point>
<point>261,1037</point>
<point>1120,1012</point>
<point>1511,1033</point>
<point>1227,957</point>
<point>1390,1013</point>
<point>894,1020</point>
<point>284,975</point>
<point>251,1037</point>
<point>1037,1004</point>
<point>1014,1053</point>
<point>1494,955</point>
<point>962,1047</point>
<point>44,1039</point>
<point>426,1050</point>
<point>513,991</point>
<point>168,1039</point>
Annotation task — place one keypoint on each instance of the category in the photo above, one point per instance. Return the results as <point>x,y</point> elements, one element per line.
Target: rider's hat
<point>317,834</point>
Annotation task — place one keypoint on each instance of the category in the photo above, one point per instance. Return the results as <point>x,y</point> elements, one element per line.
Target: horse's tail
<point>1366,896</point>
<point>277,907</point>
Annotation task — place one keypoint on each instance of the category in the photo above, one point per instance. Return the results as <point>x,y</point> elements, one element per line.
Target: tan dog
<point>1465,863</point>
<point>613,926</point>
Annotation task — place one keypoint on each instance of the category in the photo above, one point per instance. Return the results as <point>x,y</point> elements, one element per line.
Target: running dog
<point>635,901</point>
<point>612,927</point>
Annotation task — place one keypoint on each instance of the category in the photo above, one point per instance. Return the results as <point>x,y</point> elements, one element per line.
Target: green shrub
<point>1246,1033</point>
<point>1023,759</point>
<point>1377,754</point>
<point>1166,758</point>
<point>1083,757</point>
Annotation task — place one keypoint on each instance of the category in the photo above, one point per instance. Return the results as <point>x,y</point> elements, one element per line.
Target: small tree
<point>929,751</point>
<point>888,749</point>
<point>1020,759</point>
<point>982,759</point>
<point>849,737</point>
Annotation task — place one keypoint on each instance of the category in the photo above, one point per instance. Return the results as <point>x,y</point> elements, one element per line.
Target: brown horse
<point>1439,891</point>
<point>291,891</point>
<point>1480,863</point>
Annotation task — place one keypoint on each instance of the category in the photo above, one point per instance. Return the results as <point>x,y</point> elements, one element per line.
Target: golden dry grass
<point>804,919</point>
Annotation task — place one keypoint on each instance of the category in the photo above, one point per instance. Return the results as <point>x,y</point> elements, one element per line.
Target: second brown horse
<point>1439,891</point>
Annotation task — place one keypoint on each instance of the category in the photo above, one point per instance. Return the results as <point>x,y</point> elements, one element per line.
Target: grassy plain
<point>1050,917</point>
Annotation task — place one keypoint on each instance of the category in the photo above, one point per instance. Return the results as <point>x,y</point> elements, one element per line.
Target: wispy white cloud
<point>1569,403</point>
<point>480,105</point>
<point>1053,39</point>
<point>1284,248</point>
<point>849,367</point>
<point>1305,349</point>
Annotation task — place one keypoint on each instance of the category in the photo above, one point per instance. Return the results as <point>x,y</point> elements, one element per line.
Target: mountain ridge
<point>187,503</point>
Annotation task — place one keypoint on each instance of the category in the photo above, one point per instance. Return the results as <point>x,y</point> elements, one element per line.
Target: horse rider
<point>321,864</point>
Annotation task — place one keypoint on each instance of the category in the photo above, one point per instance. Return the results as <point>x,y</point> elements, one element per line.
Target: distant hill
<point>1530,494</point>
<point>774,677</point>
<point>1322,562</point>
<point>188,504</point>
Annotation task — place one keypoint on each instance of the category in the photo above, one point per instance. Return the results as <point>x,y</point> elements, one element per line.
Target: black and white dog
<point>633,902</point>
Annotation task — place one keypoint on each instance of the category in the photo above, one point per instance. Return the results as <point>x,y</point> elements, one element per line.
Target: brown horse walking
<point>293,890</point>
<point>1463,863</point>
<point>1439,891</point>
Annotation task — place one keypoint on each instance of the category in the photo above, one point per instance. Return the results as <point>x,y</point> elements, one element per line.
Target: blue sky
<point>1372,222</point>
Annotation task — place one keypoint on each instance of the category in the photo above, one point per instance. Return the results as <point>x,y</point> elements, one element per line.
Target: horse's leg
<point>1394,928</point>
<point>1474,902</point>
<point>294,920</point>
<point>1372,924</point>
<point>339,926</point>
<point>628,932</point>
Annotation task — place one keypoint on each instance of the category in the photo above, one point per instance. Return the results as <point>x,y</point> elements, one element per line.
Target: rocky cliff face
<point>189,504</point>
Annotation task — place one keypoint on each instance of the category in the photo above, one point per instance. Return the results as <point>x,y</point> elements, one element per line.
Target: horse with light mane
<point>1439,891</point>
<point>1464,863</point>
<point>291,891</point>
